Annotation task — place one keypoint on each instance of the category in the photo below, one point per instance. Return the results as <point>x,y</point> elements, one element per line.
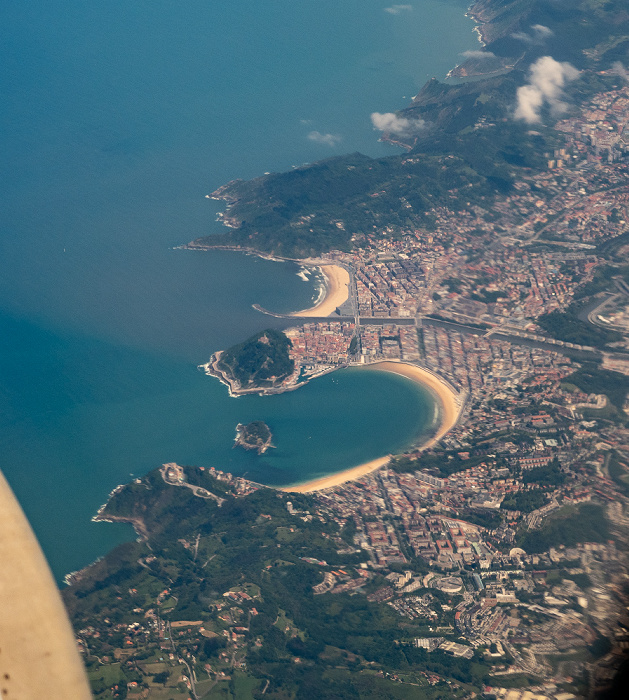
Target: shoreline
<point>336,279</point>
<point>331,480</point>
<point>335,291</point>
<point>211,369</point>
<point>449,406</point>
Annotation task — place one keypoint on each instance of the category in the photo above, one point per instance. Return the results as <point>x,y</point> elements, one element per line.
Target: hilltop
<point>260,363</point>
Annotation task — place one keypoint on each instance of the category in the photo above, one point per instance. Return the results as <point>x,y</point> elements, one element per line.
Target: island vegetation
<point>254,436</point>
<point>261,362</point>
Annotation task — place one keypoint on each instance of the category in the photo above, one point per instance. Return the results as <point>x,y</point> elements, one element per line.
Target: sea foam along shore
<point>449,408</point>
<point>336,291</point>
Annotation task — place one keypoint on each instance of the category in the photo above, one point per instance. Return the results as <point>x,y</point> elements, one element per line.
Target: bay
<point>117,118</point>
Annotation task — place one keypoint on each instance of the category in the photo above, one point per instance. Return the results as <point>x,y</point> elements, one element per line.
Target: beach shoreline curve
<point>449,407</point>
<point>335,288</point>
<point>335,292</point>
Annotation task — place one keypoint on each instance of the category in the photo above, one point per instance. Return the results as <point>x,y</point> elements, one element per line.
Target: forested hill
<point>580,31</point>
<point>464,144</point>
<point>260,361</point>
<point>329,204</point>
<point>229,589</point>
<point>591,36</point>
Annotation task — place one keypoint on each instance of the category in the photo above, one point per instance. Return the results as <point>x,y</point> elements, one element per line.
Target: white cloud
<point>538,36</point>
<point>325,139</point>
<point>620,70</point>
<point>530,101</point>
<point>547,78</point>
<point>478,54</point>
<point>542,32</point>
<point>400,126</point>
<point>398,9</point>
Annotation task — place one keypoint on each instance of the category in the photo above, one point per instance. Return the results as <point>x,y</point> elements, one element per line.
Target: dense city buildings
<point>496,557</point>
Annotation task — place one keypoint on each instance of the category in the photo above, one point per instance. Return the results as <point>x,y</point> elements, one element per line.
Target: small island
<point>254,436</point>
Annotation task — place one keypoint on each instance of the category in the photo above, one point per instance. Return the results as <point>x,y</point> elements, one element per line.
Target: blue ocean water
<point>117,118</point>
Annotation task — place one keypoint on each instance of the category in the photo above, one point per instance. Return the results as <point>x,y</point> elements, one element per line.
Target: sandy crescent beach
<point>449,409</point>
<point>336,292</point>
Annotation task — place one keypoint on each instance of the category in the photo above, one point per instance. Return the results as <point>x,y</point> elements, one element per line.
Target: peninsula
<point>486,263</point>
<point>260,365</point>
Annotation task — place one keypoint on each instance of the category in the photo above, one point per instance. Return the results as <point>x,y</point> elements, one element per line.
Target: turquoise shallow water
<point>117,119</point>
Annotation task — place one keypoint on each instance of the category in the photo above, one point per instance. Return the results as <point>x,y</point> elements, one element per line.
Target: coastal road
<point>198,491</point>
<point>191,674</point>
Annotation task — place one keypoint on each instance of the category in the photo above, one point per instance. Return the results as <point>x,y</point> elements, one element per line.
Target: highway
<point>513,335</point>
